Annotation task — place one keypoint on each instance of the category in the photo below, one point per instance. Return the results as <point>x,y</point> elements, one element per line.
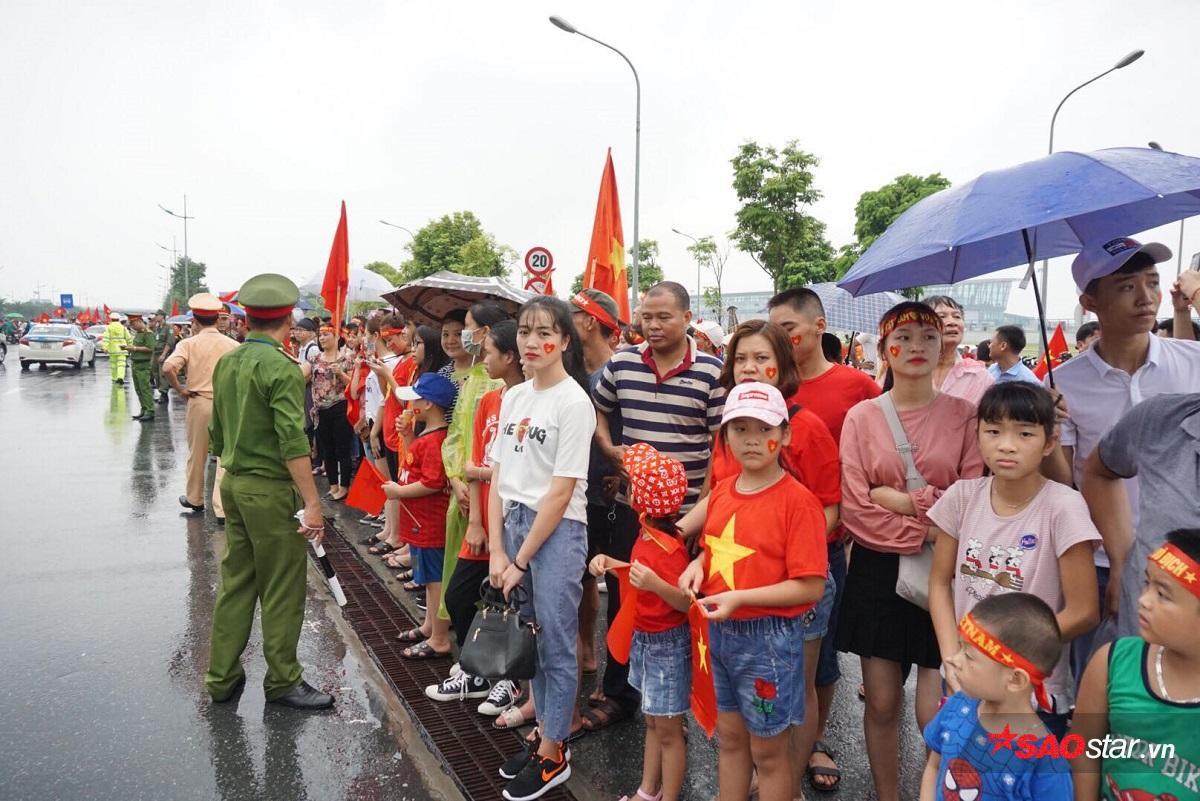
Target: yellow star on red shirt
<point>725,552</point>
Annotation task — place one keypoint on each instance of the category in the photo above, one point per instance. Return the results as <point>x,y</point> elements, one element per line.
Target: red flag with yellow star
<point>704,695</point>
<point>605,268</point>
<point>620,632</point>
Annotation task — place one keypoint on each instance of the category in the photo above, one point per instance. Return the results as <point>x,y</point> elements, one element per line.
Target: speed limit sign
<point>538,260</point>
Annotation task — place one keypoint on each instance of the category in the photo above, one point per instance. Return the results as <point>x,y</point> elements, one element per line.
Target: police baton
<point>327,568</point>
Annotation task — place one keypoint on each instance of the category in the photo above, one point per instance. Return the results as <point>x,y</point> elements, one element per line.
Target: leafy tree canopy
<point>455,242</point>
<point>181,290</point>
<point>775,187</point>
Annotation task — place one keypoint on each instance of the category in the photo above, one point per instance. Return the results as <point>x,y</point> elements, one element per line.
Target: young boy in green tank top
<point>1143,693</point>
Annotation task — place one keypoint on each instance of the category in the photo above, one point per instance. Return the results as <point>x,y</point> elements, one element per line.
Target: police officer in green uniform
<point>164,341</point>
<point>141,354</point>
<point>257,430</point>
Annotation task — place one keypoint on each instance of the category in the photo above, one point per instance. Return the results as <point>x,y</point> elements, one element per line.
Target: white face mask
<point>467,337</point>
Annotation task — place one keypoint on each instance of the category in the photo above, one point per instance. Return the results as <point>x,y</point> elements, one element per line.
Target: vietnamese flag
<point>337,273</point>
<point>366,490</point>
<point>228,297</point>
<point>354,404</point>
<point>605,268</point>
<point>1058,346</point>
<point>620,632</point>
<point>704,695</point>
<point>175,307</point>
<point>107,312</point>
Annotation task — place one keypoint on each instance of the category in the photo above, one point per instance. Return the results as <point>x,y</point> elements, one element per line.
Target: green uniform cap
<point>269,295</point>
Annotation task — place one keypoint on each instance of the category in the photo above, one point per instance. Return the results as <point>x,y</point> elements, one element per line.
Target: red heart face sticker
<point>772,372</point>
<point>772,445</point>
<point>797,339</point>
<point>894,350</point>
<point>548,347</point>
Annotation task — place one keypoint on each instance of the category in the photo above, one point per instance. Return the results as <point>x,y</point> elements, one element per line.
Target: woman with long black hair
<point>538,523</point>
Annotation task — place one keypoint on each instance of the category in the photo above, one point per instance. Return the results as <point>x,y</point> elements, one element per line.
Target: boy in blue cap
<point>422,491</point>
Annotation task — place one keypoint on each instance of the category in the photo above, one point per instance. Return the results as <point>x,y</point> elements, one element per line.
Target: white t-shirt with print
<point>373,398</point>
<point>1019,553</point>
<point>543,434</point>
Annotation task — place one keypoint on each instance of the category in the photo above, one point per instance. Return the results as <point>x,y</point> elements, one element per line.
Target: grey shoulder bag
<point>912,578</point>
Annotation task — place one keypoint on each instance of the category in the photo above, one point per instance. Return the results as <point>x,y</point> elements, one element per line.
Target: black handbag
<point>500,643</point>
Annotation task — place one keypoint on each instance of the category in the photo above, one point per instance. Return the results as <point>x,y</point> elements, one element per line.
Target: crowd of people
<point>943,517</point>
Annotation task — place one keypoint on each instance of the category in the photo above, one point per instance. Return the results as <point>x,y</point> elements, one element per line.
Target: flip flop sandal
<point>404,575</point>
<point>412,635</point>
<point>510,718</point>
<point>423,650</point>
<point>413,586</point>
<point>820,747</point>
<point>381,549</point>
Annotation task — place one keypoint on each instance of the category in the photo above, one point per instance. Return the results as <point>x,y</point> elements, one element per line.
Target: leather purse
<point>501,644</point>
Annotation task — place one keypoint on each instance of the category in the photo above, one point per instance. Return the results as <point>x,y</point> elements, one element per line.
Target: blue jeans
<point>554,593</point>
<point>758,671</point>
<point>660,668</point>
<point>828,671</point>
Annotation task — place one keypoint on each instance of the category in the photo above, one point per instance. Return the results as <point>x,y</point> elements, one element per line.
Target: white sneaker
<point>455,669</point>
<point>503,695</point>
<point>458,688</point>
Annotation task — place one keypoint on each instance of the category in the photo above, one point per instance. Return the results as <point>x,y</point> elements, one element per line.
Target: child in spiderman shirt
<point>660,656</point>
<point>986,740</point>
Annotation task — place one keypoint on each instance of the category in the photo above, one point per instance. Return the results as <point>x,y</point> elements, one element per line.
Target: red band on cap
<point>270,312</point>
<point>595,310</point>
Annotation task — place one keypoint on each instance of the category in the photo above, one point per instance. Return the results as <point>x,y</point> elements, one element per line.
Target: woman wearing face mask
<point>473,383</point>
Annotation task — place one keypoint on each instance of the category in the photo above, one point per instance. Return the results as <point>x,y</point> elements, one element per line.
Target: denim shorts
<point>660,668</point>
<point>427,564</point>
<point>758,671</point>
<point>816,620</point>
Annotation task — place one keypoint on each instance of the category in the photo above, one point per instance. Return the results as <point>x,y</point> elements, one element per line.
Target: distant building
<point>984,301</point>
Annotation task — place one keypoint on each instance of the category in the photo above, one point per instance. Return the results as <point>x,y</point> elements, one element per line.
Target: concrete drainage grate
<point>470,749</point>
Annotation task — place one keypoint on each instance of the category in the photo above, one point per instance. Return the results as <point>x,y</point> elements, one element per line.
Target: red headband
<point>891,322</point>
<point>268,312</point>
<point>595,310</point>
<point>1179,565</point>
<point>391,332</point>
<point>327,329</point>
<point>991,647</point>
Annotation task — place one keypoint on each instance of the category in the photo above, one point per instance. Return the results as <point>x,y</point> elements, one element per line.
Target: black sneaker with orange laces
<point>539,776</point>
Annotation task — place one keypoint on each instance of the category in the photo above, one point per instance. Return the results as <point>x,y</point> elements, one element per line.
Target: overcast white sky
<point>267,114</point>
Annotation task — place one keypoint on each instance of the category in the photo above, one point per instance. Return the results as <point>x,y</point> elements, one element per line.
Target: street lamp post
<point>1178,253</point>
<point>1122,64</point>
<point>187,283</point>
<point>562,24</point>
<point>401,227</point>
<point>699,292</point>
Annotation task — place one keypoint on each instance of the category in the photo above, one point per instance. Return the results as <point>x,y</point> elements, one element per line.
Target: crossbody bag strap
<point>913,479</point>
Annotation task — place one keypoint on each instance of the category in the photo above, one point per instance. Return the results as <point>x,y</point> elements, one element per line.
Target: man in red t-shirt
<point>829,391</point>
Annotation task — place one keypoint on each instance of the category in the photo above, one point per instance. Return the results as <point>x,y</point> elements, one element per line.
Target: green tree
<point>650,272</point>
<point>708,255</point>
<point>386,270</point>
<point>456,242</point>
<point>713,301</point>
<point>181,291</point>
<point>775,187</point>
<point>877,210</point>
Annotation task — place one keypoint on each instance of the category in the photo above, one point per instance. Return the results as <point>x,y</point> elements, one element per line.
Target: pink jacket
<point>945,448</point>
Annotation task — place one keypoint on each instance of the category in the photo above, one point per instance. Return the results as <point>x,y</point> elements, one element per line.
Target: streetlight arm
<point>636,79</point>
<point>1068,96</point>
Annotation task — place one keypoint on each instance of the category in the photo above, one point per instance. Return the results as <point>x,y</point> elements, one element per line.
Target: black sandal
<point>382,549</point>
<point>412,635</point>
<point>423,650</point>
<point>820,747</point>
<point>604,714</point>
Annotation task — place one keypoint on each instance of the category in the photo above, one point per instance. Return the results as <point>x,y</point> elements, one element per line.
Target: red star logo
<point>1002,739</point>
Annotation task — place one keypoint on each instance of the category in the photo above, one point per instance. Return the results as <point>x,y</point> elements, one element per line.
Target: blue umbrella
<point>236,311</point>
<point>1038,210</point>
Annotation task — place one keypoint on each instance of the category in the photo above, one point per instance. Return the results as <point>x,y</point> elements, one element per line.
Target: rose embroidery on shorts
<point>765,700</point>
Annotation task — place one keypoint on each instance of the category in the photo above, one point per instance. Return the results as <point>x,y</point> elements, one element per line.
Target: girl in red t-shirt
<point>660,655</point>
<point>762,567</point>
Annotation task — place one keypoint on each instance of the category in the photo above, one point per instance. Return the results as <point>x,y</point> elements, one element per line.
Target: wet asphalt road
<point>104,618</point>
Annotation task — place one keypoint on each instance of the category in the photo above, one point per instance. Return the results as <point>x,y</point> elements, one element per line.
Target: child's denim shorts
<point>758,671</point>
<point>660,668</point>
<point>816,620</point>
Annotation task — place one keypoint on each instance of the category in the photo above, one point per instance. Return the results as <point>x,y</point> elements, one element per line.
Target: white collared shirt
<point>1098,395</point>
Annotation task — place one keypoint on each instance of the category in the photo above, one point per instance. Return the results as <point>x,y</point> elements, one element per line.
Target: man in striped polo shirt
<point>668,395</point>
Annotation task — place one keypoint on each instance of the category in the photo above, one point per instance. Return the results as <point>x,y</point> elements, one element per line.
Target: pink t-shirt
<point>968,379</point>
<point>1014,554</point>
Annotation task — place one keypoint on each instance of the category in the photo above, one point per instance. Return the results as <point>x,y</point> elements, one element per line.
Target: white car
<point>96,332</point>
<point>56,343</point>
